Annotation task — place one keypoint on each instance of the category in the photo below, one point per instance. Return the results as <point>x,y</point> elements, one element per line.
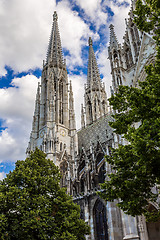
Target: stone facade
<point>80,155</point>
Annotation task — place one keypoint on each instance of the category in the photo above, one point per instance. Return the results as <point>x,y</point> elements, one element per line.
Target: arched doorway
<point>153,228</point>
<point>100,221</point>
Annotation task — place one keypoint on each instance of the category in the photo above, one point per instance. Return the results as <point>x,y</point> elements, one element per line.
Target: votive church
<point>80,154</point>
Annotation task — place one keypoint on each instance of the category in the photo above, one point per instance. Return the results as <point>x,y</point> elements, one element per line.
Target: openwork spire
<point>93,75</point>
<point>95,95</point>
<point>54,53</point>
<point>113,38</point>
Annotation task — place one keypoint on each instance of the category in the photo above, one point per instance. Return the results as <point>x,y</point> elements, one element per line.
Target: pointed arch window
<point>90,111</point>
<point>95,108</point>
<point>104,108</point>
<point>61,102</point>
<point>115,55</point>
<point>101,174</point>
<point>100,221</point>
<point>61,146</point>
<point>82,184</point>
<point>118,81</point>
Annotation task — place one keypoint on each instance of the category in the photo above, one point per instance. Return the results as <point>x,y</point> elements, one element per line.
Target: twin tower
<point>54,127</point>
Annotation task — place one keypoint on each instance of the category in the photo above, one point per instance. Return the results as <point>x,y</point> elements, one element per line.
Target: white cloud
<point>74,33</point>
<point>105,69</point>
<point>16,107</point>
<point>78,93</point>
<point>94,11</point>
<point>2,175</point>
<point>17,101</point>
<point>24,27</point>
<point>120,13</point>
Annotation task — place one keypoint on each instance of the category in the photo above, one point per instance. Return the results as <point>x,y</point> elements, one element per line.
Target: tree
<point>136,166</point>
<point>34,206</point>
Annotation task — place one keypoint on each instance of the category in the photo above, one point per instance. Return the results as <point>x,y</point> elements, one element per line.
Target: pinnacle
<point>111,26</point>
<point>38,89</point>
<point>113,38</point>
<point>70,86</point>
<point>55,16</point>
<point>112,32</point>
<point>90,41</point>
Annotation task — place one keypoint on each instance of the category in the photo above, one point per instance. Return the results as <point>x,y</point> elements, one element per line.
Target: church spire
<point>93,75</point>
<point>95,95</point>
<point>54,53</point>
<point>113,38</point>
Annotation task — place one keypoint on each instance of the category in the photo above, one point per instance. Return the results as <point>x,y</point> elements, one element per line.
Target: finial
<point>90,41</point>
<point>126,21</point>
<point>70,86</point>
<point>55,16</point>
<point>38,90</point>
<point>111,26</point>
<point>132,4</point>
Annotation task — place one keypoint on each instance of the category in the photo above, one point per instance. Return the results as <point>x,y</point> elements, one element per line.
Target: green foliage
<point>136,166</point>
<point>33,206</point>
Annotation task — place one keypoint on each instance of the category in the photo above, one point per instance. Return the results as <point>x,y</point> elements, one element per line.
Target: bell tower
<point>95,94</point>
<point>53,128</point>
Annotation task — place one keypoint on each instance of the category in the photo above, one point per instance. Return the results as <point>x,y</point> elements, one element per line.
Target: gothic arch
<point>101,174</point>
<point>74,190</point>
<point>82,184</point>
<point>143,74</point>
<point>115,55</point>
<point>100,221</point>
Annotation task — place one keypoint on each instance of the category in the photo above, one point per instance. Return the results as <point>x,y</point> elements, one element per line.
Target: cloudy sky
<point>25,28</point>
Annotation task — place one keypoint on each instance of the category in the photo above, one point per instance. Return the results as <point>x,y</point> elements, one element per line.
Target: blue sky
<point>25,29</point>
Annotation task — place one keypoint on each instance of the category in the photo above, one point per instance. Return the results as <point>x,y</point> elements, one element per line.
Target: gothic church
<point>80,154</point>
